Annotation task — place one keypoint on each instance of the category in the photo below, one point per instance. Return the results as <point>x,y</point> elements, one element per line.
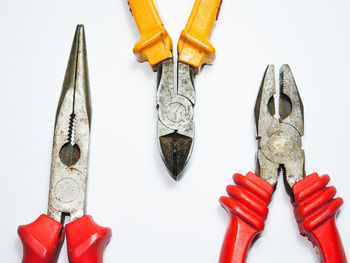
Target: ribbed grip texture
<point>247,207</point>
<point>315,208</point>
<point>42,240</point>
<point>155,44</point>
<point>194,47</point>
<point>86,240</point>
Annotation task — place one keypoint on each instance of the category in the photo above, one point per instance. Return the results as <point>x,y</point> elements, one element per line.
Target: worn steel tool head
<point>70,149</point>
<point>279,140</point>
<point>175,105</point>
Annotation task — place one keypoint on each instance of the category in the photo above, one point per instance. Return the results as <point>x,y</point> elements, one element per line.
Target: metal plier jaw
<point>175,104</point>
<point>279,148</point>
<point>279,140</point>
<point>70,149</point>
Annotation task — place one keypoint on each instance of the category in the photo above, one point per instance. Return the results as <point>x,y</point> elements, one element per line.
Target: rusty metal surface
<point>175,150</point>
<point>70,149</point>
<point>175,106</point>
<point>279,140</point>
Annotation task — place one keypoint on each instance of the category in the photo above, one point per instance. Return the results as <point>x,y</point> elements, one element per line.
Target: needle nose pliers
<point>279,149</point>
<point>175,105</point>
<point>42,239</point>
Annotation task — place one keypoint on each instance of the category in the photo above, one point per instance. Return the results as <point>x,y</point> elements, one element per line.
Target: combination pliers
<point>279,150</point>
<point>175,103</point>
<point>42,239</point>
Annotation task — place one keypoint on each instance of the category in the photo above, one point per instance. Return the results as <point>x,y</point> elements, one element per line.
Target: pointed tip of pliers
<point>76,86</point>
<point>175,150</point>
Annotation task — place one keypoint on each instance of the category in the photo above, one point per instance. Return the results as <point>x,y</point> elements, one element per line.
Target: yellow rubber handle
<point>155,44</point>
<point>193,46</point>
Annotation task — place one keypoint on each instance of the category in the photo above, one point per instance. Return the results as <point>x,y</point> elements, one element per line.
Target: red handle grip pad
<point>315,209</point>
<point>42,240</point>
<point>247,207</point>
<point>86,240</point>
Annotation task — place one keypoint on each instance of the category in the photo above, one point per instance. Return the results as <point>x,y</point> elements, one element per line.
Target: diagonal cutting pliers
<point>279,149</point>
<point>175,102</point>
<point>42,239</point>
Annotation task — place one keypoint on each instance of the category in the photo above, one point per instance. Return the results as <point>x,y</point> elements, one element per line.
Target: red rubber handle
<point>86,240</point>
<point>315,208</point>
<point>42,240</point>
<point>247,207</point>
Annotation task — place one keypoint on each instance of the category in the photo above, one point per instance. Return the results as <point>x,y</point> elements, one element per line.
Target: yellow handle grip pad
<point>155,44</point>
<point>193,46</point>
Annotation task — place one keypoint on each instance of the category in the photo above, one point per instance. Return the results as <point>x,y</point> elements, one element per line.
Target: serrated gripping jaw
<point>70,149</point>
<point>279,140</point>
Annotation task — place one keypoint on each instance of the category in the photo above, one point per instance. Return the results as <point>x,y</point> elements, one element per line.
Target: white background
<point>153,218</point>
